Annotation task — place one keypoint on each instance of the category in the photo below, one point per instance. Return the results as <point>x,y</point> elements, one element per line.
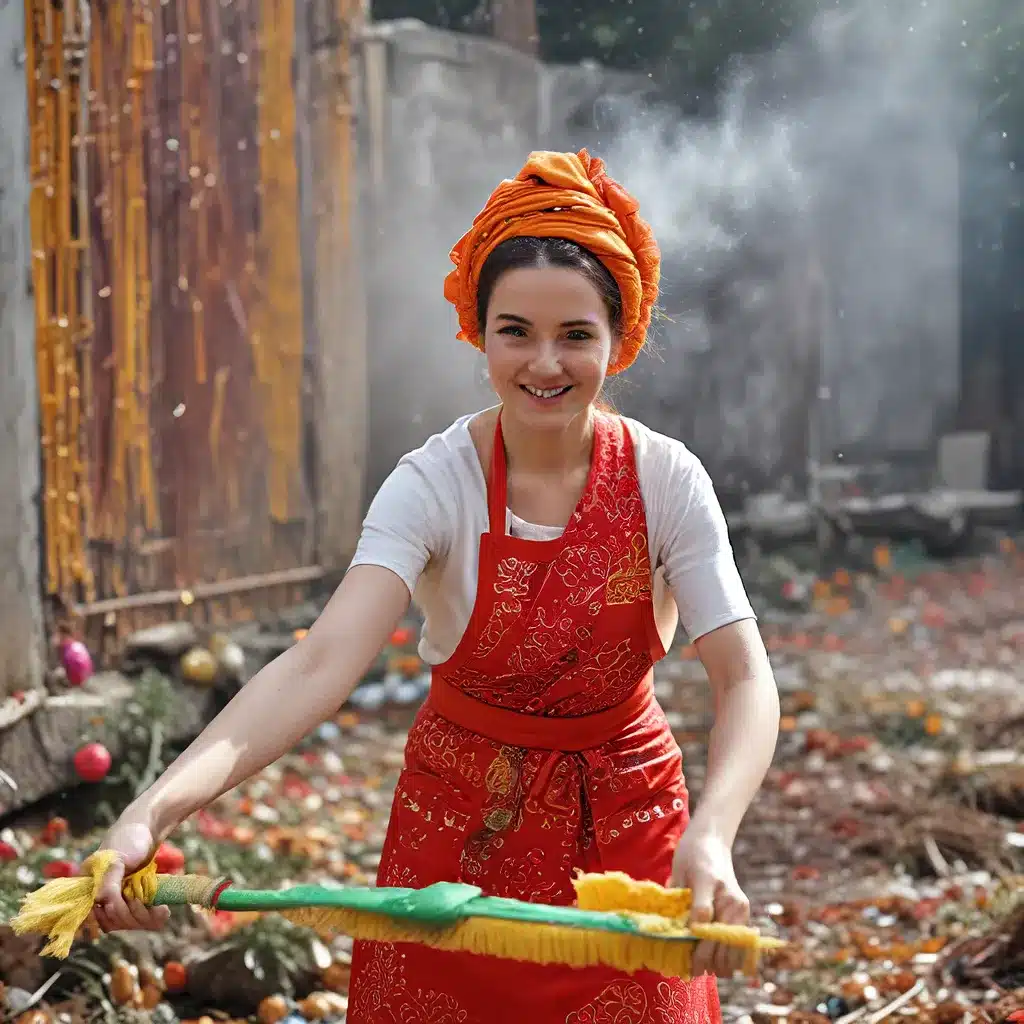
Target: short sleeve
<point>407,524</point>
<point>700,567</point>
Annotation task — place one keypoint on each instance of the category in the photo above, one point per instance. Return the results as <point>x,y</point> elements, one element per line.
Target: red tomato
<point>169,859</point>
<point>92,762</point>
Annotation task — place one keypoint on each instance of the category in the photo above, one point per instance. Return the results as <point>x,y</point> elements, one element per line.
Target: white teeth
<point>546,392</point>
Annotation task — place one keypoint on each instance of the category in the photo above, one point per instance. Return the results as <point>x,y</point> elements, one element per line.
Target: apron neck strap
<point>497,483</point>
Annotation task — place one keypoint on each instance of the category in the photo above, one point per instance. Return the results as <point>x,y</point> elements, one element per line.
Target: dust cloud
<point>810,236</point>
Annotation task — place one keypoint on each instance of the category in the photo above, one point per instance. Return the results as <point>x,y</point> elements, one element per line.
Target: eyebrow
<point>526,323</point>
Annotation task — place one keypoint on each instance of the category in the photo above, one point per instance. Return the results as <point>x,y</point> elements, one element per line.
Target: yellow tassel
<point>615,890</point>
<point>60,908</point>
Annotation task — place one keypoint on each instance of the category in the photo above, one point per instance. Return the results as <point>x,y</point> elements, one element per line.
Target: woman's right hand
<point>134,844</point>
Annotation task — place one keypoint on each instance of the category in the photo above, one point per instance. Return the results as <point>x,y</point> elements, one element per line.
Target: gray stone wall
<point>21,628</point>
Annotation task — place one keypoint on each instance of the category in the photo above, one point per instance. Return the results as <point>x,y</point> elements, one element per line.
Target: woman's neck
<point>549,451</point>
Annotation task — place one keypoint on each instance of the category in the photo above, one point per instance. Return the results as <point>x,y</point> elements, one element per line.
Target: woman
<point>549,544</point>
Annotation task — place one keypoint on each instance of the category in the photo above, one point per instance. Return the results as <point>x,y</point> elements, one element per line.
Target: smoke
<point>811,248</point>
<point>810,237</point>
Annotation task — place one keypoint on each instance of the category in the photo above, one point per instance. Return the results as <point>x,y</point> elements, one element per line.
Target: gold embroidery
<point>631,579</point>
<point>429,1007</point>
<point>381,995</point>
<point>503,804</point>
<point>503,614</point>
<point>610,674</point>
<point>513,577</point>
<point>689,1002</point>
<point>583,570</point>
<point>503,772</point>
<point>512,582</point>
<point>622,1002</point>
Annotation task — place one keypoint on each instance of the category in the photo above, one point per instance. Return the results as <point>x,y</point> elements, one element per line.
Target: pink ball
<point>77,662</point>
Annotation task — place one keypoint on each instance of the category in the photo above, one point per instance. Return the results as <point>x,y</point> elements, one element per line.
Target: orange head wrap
<point>564,195</point>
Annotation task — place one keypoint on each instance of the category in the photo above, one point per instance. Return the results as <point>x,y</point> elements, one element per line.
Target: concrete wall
<point>445,118</point>
<point>21,629</point>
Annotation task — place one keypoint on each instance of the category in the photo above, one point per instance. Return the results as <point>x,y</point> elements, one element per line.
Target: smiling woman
<point>552,546</point>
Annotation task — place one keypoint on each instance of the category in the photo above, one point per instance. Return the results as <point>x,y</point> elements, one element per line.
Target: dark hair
<point>531,251</point>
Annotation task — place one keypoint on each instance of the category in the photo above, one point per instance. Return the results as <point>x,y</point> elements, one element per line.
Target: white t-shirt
<point>426,521</point>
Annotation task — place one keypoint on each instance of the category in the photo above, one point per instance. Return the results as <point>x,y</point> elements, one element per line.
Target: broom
<point>618,922</point>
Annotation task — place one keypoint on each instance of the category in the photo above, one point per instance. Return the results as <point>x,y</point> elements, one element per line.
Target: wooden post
<point>22,662</point>
<point>515,22</point>
<point>335,288</point>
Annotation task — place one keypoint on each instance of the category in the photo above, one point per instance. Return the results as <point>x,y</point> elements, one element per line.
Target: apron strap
<point>497,484</point>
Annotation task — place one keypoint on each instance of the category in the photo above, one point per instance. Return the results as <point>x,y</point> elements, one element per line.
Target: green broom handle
<point>440,905</point>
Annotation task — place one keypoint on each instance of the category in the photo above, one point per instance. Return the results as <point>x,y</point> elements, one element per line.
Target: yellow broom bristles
<point>535,943</point>
<point>659,912</point>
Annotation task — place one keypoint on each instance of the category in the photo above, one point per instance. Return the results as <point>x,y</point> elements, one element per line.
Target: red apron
<point>540,750</point>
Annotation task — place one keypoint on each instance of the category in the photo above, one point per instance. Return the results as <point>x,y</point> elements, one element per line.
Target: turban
<point>564,195</point>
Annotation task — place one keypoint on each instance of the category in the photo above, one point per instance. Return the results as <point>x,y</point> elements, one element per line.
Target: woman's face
<point>548,340</point>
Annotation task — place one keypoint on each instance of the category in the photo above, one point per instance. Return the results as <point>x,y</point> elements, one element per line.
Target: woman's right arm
<point>283,702</point>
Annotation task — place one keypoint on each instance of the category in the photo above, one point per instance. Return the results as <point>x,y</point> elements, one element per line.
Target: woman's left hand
<point>703,864</point>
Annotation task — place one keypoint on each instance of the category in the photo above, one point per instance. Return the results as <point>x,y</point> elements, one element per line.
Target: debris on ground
<point>887,845</point>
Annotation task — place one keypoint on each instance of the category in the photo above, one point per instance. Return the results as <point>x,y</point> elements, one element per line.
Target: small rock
<point>16,1000</point>
<point>328,732</point>
<point>370,697</point>
<point>264,813</point>
<point>300,617</point>
<point>169,640</point>
<point>223,979</point>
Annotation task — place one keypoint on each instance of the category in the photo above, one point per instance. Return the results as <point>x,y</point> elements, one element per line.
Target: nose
<point>546,361</point>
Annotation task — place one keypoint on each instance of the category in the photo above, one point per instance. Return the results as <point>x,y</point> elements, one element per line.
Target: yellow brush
<point>618,922</point>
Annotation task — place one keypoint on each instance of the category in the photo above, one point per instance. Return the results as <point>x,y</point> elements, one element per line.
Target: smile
<point>545,392</point>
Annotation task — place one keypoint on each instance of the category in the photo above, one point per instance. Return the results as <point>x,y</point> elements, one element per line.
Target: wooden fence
<point>182,239</point>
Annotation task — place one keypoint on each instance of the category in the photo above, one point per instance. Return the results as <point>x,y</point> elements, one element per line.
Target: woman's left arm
<point>700,569</point>
<point>714,609</point>
<point>740,752</point>
<point>743,738</point>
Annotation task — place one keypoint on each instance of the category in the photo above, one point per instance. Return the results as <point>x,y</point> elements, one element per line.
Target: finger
<point>160,916</point>
<point>737,958</point>
<point>148,918</point>
<point>723,961</point>
<point>701,960</point>
<point>100,917</point>
<point>117,915</point>
<point>110,887</point>
<point>139,912</point>
<point>731,908</point>
<point>703,906</point>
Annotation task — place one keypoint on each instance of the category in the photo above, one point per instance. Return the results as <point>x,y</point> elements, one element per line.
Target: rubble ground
<point>887,845</point>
